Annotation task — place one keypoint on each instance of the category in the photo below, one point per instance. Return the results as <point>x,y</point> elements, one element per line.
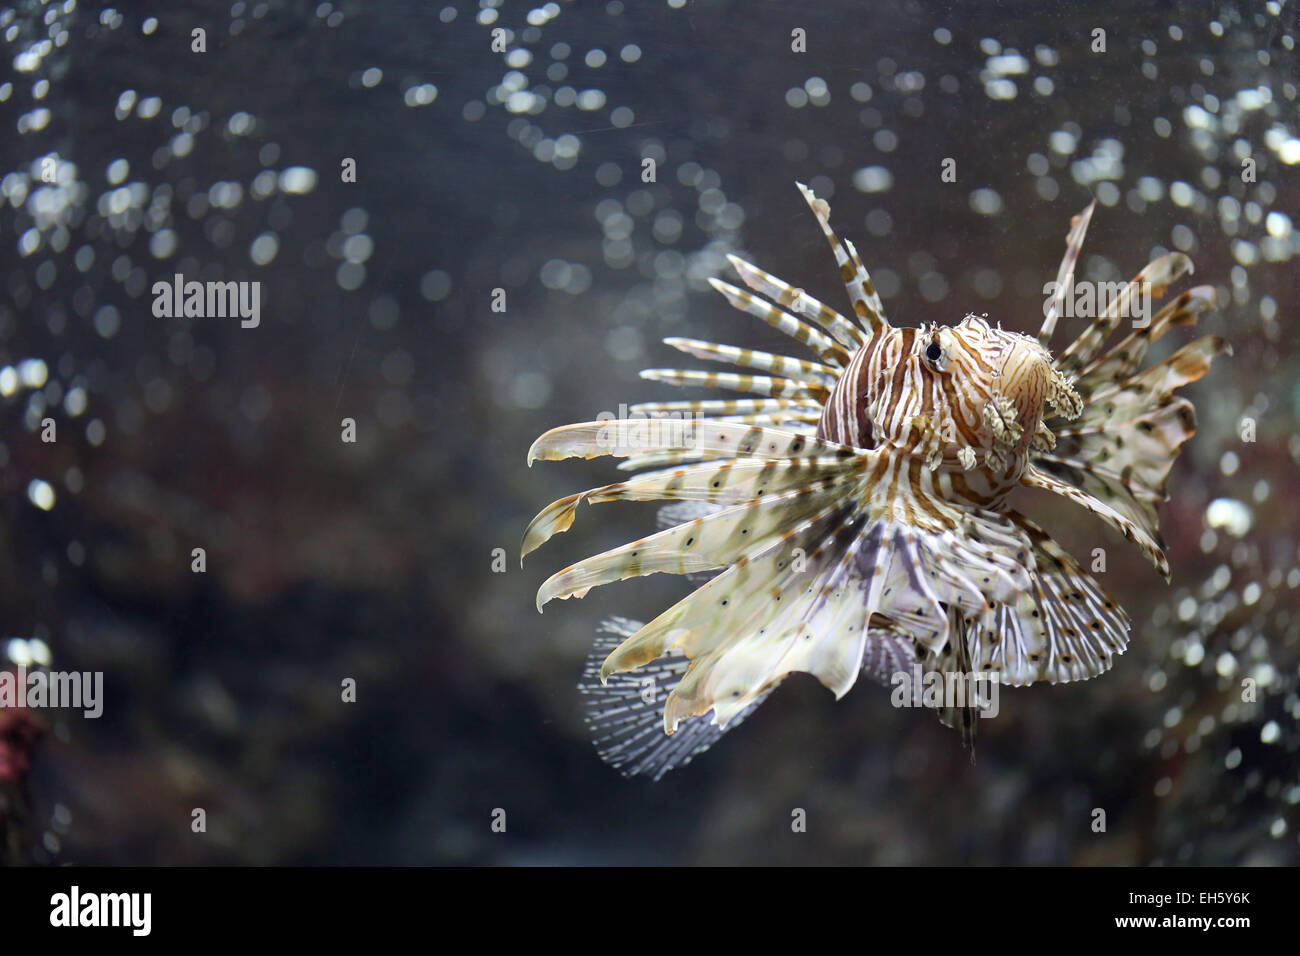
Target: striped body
<point>984,389</point>
<point>852,518</point>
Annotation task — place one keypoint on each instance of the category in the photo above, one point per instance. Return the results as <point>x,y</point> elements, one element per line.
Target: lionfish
<point>854,516</point>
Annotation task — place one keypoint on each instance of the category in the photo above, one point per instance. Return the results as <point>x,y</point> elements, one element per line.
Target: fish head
<point>995,362</point>
<point>994,388</point>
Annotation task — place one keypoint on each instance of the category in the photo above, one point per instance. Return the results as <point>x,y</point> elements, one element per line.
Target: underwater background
<point>392,561</point>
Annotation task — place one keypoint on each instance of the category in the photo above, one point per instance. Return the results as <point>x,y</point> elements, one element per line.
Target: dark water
<point>479,170</point>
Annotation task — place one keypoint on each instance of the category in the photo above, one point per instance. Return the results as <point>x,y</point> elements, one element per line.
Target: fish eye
<point>933,352</point>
